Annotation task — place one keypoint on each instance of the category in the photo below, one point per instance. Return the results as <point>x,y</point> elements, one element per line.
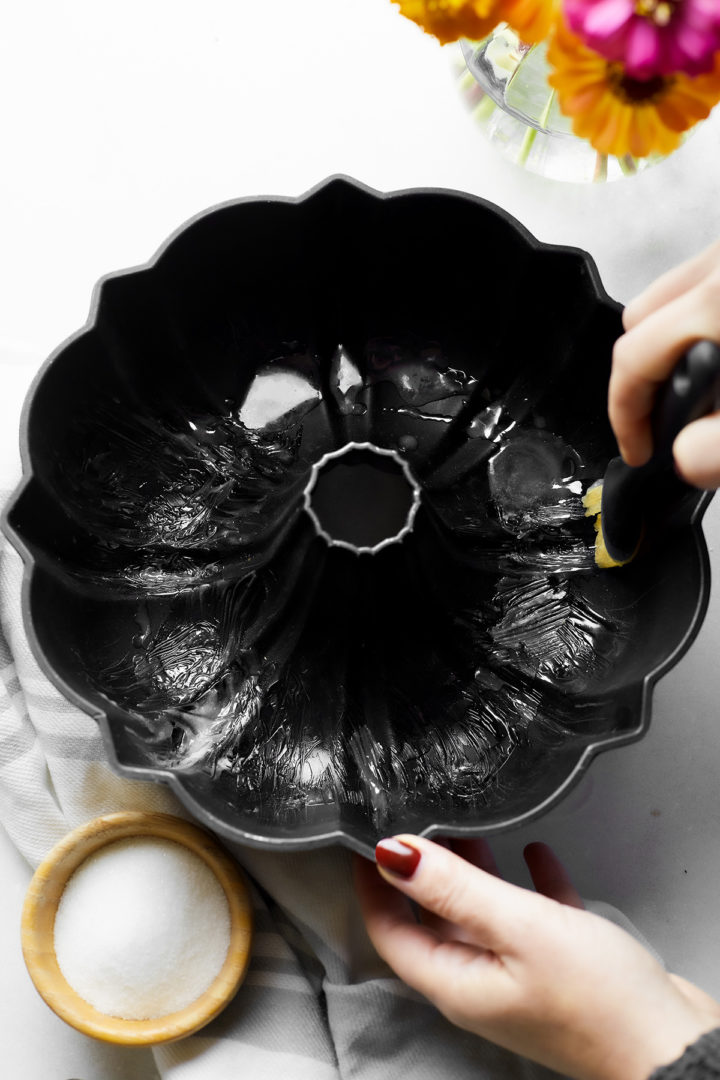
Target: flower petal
<point>690,49</point>
<point>616,134</point>
<point>642,50</point>
<point>585,100</point>
<point>624,31</point>
<point>456,19</point>
<point>607,18</point>
<point>640,134</point>
<point>531,19</point>
<point>662,139</point>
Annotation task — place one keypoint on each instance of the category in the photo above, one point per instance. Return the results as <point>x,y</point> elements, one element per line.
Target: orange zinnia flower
<point>450,20</point>
<point>530,19</point>
<point>621,115</point>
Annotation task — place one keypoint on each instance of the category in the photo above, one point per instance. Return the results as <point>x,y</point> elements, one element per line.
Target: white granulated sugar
<point>142,928</point>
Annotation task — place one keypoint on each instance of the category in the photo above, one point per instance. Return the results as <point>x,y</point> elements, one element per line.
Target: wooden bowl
<point>38,924</point>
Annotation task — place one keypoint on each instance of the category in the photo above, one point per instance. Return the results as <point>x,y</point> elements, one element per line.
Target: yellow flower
<point>449,20</point>
<point>621,115</point>
<point>530,19</point>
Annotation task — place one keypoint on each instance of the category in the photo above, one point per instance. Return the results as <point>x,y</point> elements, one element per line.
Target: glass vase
<point>504,81</point>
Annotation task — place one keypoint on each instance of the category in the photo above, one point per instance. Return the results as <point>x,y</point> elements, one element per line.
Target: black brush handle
<point>692,391</point>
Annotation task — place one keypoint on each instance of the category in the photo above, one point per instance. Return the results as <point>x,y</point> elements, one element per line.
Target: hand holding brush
<point>622,501</point>
<point>680,308</point>
<point>662,409</point>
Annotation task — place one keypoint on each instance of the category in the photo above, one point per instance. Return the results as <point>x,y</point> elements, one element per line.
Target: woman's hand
<point>530,971</point>
<point>680,308</point>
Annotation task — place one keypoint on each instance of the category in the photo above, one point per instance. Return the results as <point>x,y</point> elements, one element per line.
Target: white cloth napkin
<point>317,1003</point>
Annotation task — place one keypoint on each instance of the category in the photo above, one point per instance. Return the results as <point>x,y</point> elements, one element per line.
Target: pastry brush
<point>623,498</point>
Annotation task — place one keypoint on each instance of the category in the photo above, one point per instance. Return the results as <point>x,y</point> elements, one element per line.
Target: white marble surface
<point>119,121</point>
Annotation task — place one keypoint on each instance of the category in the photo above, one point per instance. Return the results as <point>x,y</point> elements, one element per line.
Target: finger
<point>549,876</point>
<point>495,913</point>
<point>645,356</point>
<point>477,852</point>
<point>377,895</point>
<point>630,404</point>
<point>697,452</point>
<point>440,970</point>
<point>384,908</point>
<point>671,285</point>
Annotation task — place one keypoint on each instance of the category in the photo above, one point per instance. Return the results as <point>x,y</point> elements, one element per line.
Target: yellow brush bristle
<point>592,501</point>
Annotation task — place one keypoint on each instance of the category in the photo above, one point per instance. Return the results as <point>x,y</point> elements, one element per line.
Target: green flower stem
<point>531,133</point>
<point>484,108</point>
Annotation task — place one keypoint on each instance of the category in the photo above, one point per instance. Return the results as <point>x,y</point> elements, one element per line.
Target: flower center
<point>637,91</point>
<point>659,12</point>
<point>362,498</point>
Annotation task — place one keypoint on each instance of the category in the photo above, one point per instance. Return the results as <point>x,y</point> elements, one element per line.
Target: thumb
<point>697,452</point>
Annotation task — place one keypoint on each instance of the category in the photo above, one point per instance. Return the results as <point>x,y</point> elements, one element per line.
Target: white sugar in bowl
<point>136,928</point>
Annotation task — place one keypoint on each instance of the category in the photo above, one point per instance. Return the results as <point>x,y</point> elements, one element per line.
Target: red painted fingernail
<point>397,857</point>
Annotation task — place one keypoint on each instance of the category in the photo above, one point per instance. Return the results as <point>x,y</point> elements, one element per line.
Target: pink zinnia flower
<point>649,37</point>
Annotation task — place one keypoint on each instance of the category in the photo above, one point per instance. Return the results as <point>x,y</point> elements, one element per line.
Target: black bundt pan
<point>307,655</point>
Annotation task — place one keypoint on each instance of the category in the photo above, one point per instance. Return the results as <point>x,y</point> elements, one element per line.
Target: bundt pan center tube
<point>303,529</point>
